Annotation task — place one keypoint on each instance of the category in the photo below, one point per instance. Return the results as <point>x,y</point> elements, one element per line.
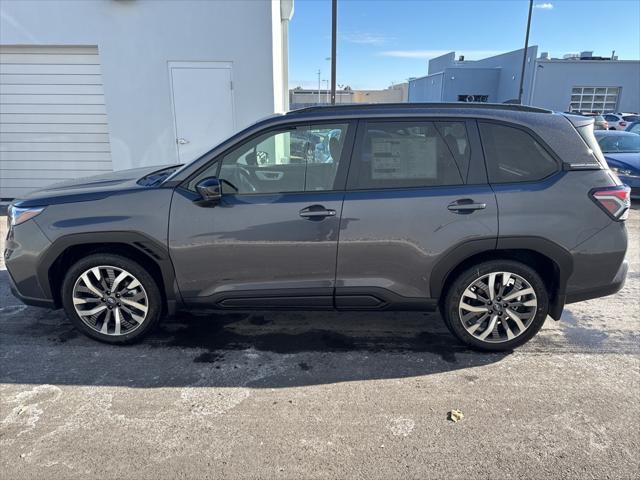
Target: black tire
<point>154,298</point>
<point>466,278</point>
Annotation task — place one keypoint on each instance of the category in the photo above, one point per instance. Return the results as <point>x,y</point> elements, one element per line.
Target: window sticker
<point>403,158</point>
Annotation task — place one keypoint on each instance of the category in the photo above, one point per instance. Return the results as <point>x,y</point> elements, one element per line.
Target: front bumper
<point>25,243</point>
<point>34,302</point>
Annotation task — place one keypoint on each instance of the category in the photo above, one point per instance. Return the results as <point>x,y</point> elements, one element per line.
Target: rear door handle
<point>317,212</point>
<point>466,205</point>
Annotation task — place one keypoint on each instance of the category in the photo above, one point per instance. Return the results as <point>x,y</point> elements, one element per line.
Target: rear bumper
<point>603,290</point>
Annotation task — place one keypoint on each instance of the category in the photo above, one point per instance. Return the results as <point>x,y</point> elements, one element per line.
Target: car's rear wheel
<point>111,298</point>
<point>496,305</point>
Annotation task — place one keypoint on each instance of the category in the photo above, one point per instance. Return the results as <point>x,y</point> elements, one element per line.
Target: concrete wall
<point>498,77</point>
<point>554,80</point>
<point>438,64</point>
<point>136,39</point>
<point>510,65</point>
<point>426,89</point>
<point>471,81</point>
<point>396,94</point>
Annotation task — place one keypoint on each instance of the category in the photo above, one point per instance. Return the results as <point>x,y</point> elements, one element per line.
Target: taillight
<point>613,200</point>
<point>623,124</point>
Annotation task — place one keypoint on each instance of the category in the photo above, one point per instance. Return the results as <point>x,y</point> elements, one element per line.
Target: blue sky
<point>385,41</point>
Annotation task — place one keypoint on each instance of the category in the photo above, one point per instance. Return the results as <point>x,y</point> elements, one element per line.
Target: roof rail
<point>426,105</point>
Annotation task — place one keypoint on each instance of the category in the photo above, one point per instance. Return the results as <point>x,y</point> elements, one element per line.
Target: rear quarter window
<point>513,155</point>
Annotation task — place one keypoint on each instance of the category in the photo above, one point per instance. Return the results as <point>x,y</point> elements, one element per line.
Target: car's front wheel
<point>111,298</point>
<point>496,305</point>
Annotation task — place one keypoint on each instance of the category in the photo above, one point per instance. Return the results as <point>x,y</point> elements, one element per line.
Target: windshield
<point>620,143</point>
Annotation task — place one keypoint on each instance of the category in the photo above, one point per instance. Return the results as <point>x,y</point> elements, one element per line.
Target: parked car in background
<point>599,122</point>
<point>619,121</point>
<point>633,127</point>
<point>622,152</point>
<point>404,217</point>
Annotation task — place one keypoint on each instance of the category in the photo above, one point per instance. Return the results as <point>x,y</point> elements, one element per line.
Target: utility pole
<point>334,28</point>
<point>318,86</point>
<point>524,55</point>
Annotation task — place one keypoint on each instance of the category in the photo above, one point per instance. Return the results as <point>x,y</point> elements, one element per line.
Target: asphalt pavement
<point>322,395</point>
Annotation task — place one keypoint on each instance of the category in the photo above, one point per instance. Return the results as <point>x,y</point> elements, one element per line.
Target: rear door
<point>417,193</point>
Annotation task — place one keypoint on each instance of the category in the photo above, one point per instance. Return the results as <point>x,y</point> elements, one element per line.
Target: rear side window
<point>631,118</point>
<point>513,155</point>
<point>410,154</point>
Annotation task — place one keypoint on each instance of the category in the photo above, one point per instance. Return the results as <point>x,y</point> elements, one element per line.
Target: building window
<point>594,99</point>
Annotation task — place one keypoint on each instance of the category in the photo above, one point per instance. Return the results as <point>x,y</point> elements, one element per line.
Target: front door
<point>202,106</point>
<point>272,240</point>
<point>417,190</point>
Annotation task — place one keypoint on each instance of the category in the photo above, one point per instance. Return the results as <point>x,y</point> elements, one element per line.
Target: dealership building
<point>89,87</point>
<point>581,82</point>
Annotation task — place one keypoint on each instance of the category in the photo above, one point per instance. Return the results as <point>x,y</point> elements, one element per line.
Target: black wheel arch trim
<point>456,255</point>
<point>150,248</point>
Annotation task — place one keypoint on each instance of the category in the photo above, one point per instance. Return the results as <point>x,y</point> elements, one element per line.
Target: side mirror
<point>210,189</point>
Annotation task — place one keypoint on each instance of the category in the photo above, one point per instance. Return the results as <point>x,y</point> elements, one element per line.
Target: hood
<point>624,160</point>
<point>88,188</point>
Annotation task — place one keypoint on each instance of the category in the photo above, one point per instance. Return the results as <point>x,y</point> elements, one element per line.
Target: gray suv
<point>498,215</point>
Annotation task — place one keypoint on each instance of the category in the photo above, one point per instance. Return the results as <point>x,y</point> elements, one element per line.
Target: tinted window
<point>631,118</point>
<point>293,160</point>
<point>611,118</point>
<point>513,155</point>
<point>411,154</point>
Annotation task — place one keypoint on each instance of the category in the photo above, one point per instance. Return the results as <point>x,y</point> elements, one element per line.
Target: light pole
<point>334,28</point>
<point>319,87</point>
<point>524,55</point>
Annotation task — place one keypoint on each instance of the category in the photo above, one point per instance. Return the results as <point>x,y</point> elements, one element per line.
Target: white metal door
<point>53,122</point>
<point>202,105</point>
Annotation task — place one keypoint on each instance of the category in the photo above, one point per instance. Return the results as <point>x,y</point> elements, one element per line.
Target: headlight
<point>18,215</point>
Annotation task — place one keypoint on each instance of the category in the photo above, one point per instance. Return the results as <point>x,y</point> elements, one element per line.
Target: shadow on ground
<point>268,350</point>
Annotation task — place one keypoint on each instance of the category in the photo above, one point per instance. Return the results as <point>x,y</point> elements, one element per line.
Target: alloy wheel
<point>498,307</point>
<point>110,300</point>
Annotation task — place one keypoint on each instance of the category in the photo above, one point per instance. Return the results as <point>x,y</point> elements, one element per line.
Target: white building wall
<point>554,80</point>
<point>137,39</point>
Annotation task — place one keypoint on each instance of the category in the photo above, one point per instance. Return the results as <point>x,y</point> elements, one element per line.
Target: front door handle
<point>466,205</point>
<point>317,212</point>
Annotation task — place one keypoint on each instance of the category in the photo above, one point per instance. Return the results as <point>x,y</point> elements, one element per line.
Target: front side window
<point>513,155</point>
<point>300,159</point>
<point>411,154</point>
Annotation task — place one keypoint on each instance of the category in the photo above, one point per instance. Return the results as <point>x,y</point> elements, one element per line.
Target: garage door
<point>53,123</point>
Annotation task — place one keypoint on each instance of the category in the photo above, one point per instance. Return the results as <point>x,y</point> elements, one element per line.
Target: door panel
<point>392,239</point>
<point>408,204</point>
<point>255,246</point>
<point>203,106</point>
